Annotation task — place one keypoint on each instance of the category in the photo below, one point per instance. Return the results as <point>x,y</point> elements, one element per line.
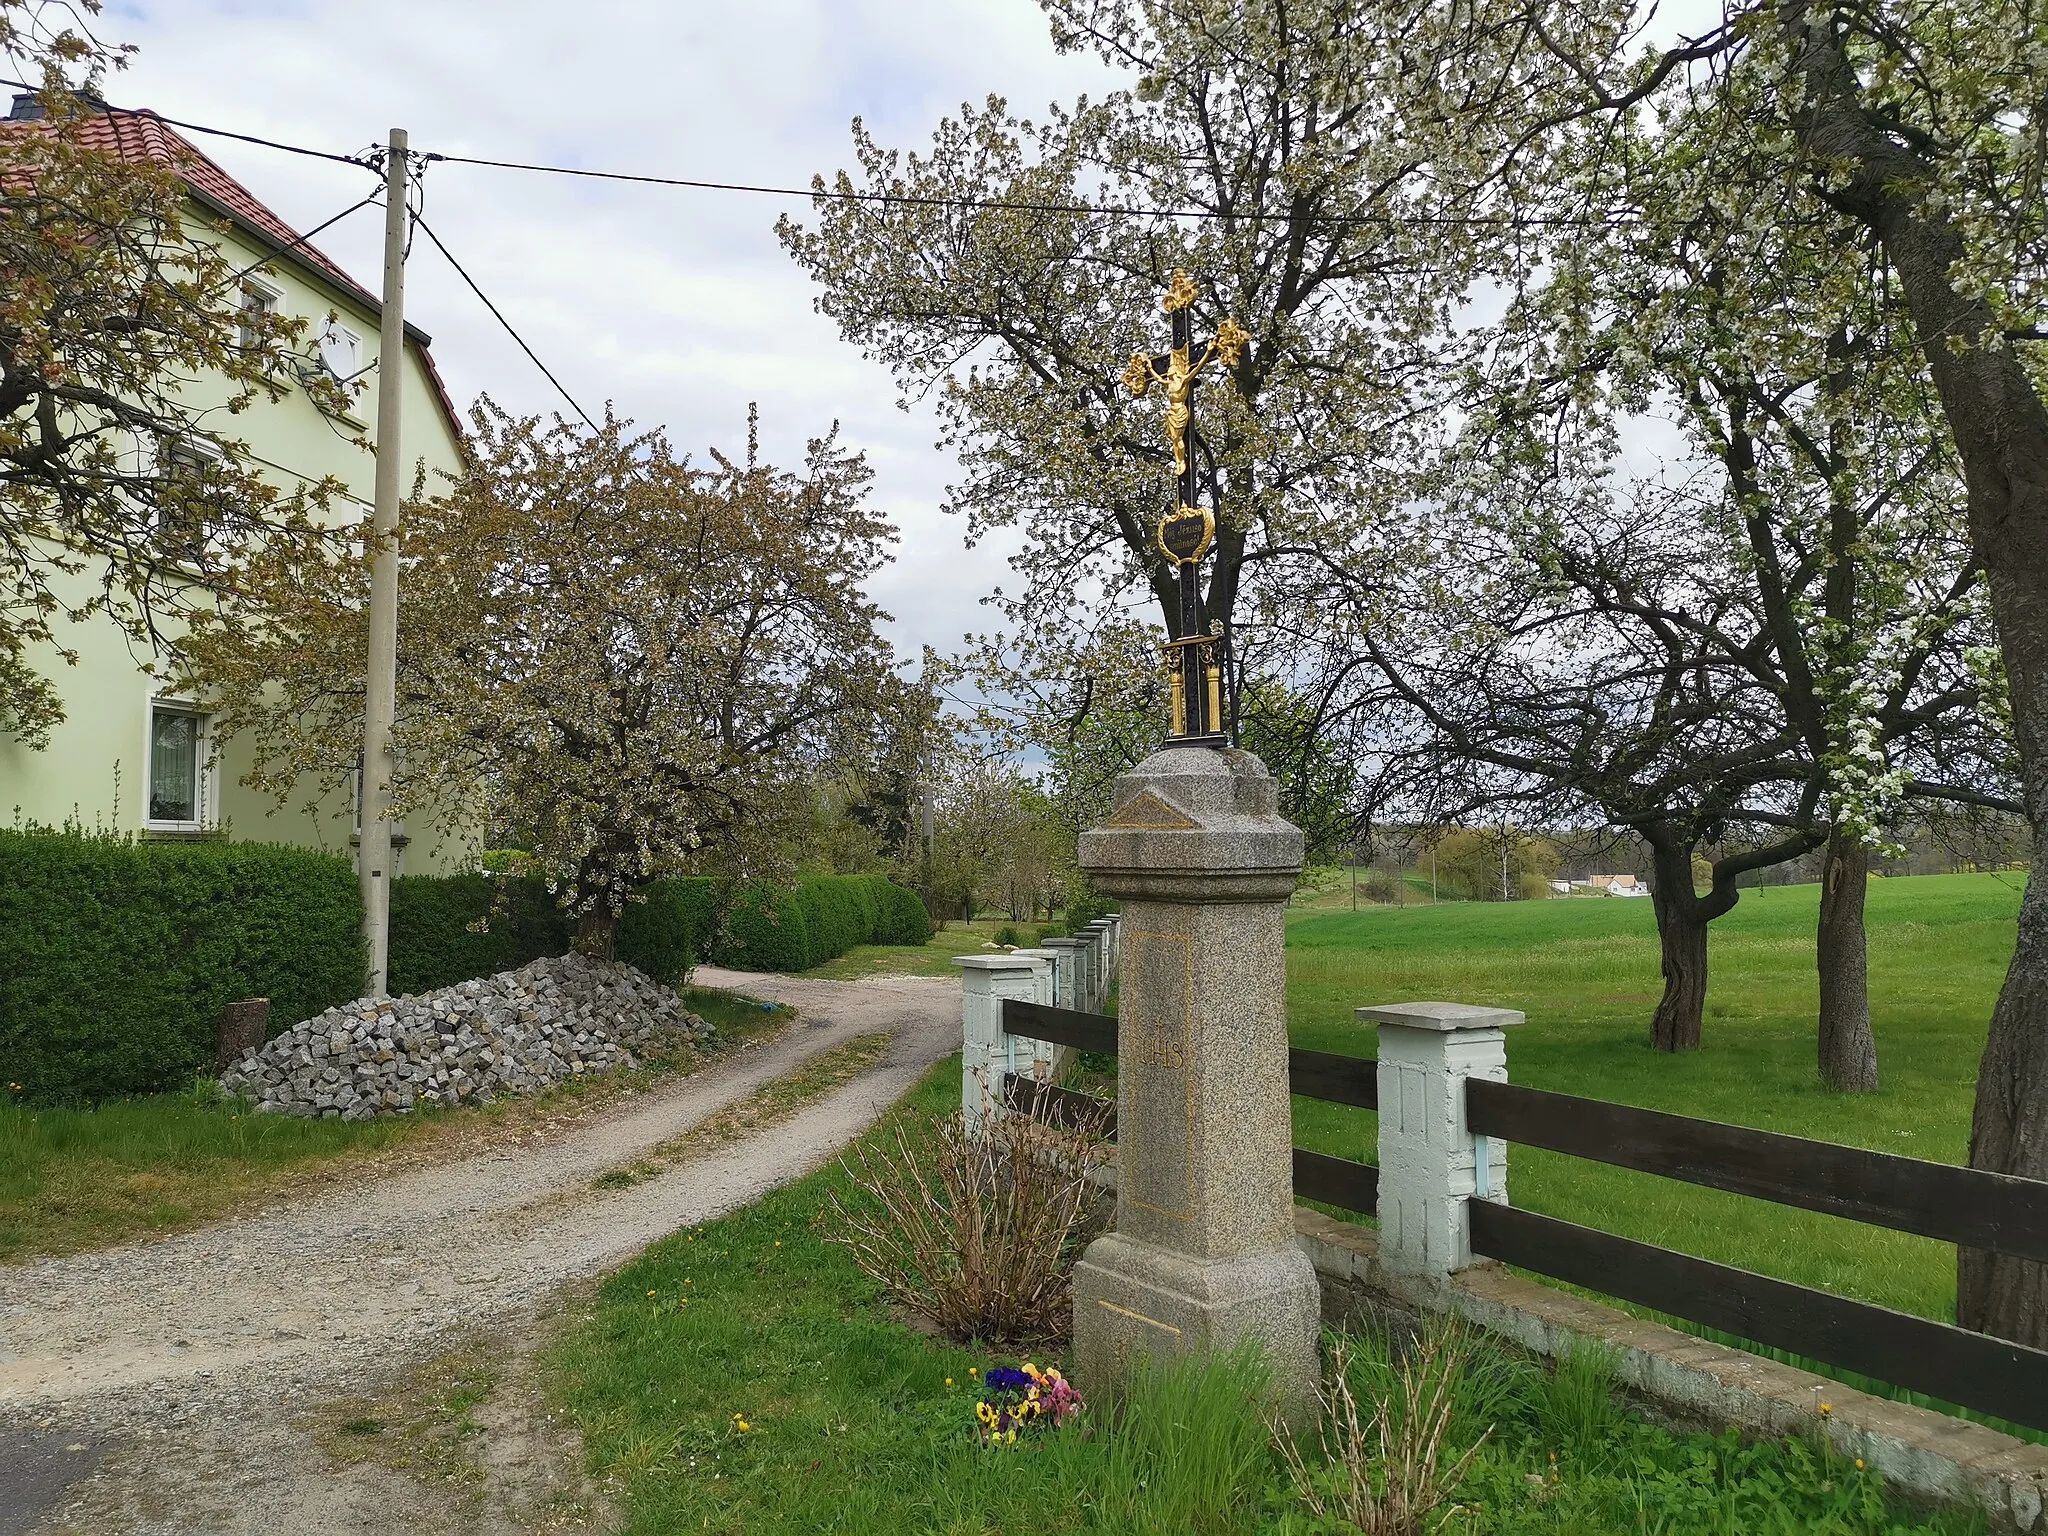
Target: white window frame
<point>273,301</point>
<point>198,451</point>
<point>206,795</point>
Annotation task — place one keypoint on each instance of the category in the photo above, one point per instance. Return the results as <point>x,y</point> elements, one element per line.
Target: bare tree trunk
<point>1848,1051</point>
<point>1682,936</point>
<point>597,934</point>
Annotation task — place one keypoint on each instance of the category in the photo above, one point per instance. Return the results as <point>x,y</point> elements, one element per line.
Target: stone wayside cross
<point>1203,1251</point>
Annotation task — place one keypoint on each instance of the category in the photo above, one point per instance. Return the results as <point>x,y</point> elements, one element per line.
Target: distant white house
<point>1608,885</point>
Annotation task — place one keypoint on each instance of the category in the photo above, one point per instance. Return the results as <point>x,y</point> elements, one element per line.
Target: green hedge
<point>434,937</point>
<point>116,956</point>
<point>819,919</point>
<point>671,930</point>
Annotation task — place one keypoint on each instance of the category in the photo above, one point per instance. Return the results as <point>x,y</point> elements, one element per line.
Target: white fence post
<point>986,1053</point>
<point>1091,936</point>
<point>1431,1164</point>
<point>1067,960</point>
<point>1047,1060</point>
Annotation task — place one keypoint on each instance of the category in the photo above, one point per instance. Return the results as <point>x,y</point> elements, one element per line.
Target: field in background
<point>1586,973</point>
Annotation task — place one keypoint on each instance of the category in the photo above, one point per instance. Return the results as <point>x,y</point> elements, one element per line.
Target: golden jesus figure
<point>1182,370</point>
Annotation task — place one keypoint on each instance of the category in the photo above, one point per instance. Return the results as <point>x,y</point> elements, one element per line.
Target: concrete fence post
<point>1431,1165</point>
<point>1046,1060</point>
<point>1067,963</point>
<point>986,1053</point>
<point>1091,935</point>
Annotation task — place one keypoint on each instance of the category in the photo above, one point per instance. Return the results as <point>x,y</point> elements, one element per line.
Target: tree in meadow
<point>1917,132</point>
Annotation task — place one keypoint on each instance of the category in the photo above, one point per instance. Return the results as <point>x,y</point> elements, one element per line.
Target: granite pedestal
<point>1203,1253</point>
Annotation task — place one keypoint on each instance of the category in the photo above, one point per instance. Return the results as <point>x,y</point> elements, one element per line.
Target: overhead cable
<point>901,199</point>
<point>298,240</point>
<point>922,200</point>
<point>498,315</point>
<point>219,133</point>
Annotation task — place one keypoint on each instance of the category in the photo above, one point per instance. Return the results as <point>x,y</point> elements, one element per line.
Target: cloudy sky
<point>677,305</point>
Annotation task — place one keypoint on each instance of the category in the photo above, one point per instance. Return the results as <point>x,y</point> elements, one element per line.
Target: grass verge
<point>73,1179</point>
<point>931,959</point>
<point>743,1376</point>
<point>762,1108</point>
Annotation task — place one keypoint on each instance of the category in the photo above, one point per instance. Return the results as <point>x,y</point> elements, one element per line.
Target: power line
<point>219,133</point>
<point>902,199</point>
<point>918,200</point>
<point>298,240</point>
<point>498,315</point>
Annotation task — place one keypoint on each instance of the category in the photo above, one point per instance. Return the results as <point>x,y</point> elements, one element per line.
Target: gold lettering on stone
<point>1145,811</point>
<point>1137,1317</point>
<point>1156,1119</point>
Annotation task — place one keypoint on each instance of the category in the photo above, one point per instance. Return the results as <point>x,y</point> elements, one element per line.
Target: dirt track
<point>174,1367</point>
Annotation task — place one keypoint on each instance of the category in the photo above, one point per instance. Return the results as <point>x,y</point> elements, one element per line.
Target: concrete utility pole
<point>380,702</point>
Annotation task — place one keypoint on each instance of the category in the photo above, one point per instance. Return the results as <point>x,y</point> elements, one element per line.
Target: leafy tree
<point>1336,208</point>
<point>639,665</point>
<point>124,353</point>
<point>1919,129</point>
<point>1501,862</point>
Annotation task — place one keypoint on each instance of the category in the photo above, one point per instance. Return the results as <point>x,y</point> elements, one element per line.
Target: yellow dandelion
<point>1827,1407</point>
<point>1859,1463</point>
<point>650,1293</point>
<point>949,1381</point>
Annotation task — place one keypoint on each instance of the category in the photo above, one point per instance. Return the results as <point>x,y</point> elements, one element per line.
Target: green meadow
<point>1586,974</point>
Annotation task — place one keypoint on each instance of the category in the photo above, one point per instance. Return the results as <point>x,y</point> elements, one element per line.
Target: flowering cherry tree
<point>631,664</point>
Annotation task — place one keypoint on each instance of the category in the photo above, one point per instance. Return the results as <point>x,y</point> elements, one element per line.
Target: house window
<point>258,298</point>
<point>179,770</point>
<point>341,350</point>
<point>185,518</point>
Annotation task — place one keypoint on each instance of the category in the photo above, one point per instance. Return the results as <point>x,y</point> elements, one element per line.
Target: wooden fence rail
<point>1972,1369</point>
<point>1937,1200</point>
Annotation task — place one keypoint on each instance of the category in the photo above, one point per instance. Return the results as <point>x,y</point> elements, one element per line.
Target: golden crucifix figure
<point>1182,369</point>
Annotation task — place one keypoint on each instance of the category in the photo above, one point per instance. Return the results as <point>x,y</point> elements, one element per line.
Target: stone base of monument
<point>1203,1253</point>
<point>1133,1301</point>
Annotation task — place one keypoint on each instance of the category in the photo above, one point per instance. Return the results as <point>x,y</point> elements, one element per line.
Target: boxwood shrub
<point>819,919</point>
<point>116,956</point>
<point>435,937</point>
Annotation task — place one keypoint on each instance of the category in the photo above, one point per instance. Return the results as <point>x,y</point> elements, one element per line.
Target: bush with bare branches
<point>976,1232</point>
<point>1388,1471</point>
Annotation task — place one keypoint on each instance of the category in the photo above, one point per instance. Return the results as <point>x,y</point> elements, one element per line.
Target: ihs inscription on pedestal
<point>1158,989</point>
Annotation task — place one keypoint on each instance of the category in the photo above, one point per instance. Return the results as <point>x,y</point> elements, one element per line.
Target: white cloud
<point>679,305</point>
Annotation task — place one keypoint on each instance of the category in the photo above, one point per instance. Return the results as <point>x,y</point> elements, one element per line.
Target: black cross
<point>1185,533</point>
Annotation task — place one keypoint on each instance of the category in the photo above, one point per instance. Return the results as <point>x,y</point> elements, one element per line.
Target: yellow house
<point>130,757</point>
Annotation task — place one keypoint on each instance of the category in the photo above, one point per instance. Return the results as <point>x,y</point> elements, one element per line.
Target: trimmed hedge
<point>820,919</point>
<point>116,956</point>
<point>671,930</point>
<point>433,939</point>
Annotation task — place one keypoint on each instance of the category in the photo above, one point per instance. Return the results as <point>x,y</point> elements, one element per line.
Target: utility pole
<point>380,698</point>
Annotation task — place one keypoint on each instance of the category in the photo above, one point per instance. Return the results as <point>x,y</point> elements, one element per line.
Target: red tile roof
<point>142,135</point>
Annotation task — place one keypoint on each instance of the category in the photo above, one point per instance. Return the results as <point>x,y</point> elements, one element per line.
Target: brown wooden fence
<point>1938,1200</point>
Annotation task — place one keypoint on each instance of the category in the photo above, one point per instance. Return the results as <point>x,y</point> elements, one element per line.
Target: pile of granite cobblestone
<point>517,1032</point>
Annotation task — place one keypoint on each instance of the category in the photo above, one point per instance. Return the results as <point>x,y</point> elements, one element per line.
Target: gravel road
<point>214,1337</point>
